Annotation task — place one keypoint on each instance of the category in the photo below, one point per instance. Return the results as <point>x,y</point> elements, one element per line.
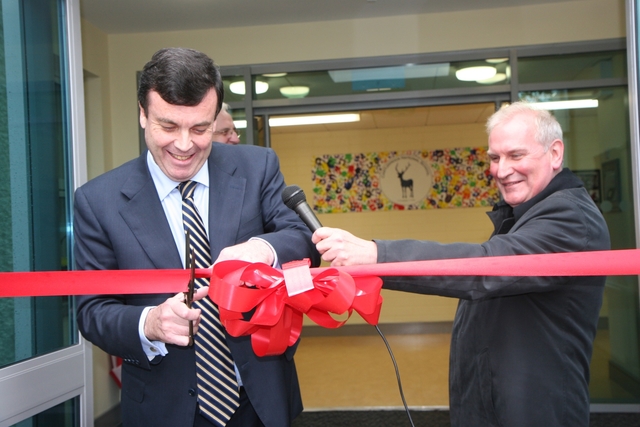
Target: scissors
<point>189,263</point>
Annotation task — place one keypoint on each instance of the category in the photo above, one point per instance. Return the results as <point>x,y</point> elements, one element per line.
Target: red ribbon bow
<point>275,319</point>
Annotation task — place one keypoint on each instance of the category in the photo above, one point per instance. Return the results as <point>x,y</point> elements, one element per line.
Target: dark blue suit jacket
<point>119,223</point>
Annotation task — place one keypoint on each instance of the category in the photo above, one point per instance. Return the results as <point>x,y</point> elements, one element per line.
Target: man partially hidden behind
<point>520,346</point>
<point>225,131</point>
<point>132,218</point>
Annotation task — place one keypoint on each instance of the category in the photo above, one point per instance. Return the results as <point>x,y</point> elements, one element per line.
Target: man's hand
<point>251,251</point>
<point>169,322</point>
<point>343,248</point>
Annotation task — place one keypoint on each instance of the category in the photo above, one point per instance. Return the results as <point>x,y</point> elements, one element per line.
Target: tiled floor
<point>357,371</point>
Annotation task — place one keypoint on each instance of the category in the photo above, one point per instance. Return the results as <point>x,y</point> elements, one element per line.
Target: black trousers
<point>245,415</point>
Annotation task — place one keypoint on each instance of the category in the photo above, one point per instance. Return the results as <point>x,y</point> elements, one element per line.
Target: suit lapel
<point>226,195</point>
<point>146,219</point>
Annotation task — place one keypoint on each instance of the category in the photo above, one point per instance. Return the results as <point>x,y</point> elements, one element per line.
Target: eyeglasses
<point>227,132</point>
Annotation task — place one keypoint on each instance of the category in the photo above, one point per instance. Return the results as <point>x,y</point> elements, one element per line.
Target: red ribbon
<point>92,282</point>
<point>276,321</point>
<point>624,262</point>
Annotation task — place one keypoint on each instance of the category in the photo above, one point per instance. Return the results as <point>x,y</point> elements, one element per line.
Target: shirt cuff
<point>152,349</point>
<point>275,255</point>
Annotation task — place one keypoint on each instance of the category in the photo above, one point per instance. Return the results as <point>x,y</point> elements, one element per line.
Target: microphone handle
<point>308,217</point>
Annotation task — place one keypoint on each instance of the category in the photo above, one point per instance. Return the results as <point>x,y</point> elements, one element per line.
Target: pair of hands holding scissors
<point>175,321</point>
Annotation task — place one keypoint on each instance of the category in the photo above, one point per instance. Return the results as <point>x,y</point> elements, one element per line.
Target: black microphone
<point>294,198</point>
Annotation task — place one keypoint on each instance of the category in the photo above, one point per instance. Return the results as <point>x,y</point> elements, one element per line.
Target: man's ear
<point>556,149</point>
<point>143,117</point>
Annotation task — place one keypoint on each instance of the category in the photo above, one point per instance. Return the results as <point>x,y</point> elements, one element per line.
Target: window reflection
<point>400,78</point>
<point>34,199</point>
<point>597,149</point>
<point>572,67</point>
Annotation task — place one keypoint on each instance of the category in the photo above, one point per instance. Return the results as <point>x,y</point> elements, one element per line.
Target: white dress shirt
<point>171,201</point>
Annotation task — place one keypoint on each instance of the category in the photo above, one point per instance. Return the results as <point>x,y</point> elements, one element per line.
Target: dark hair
<point>181,77</point>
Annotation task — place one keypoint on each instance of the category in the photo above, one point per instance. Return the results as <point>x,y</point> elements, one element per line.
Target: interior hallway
<point>338,371</point>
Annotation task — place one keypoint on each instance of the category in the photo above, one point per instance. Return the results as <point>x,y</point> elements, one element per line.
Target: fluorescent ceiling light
<point>275,75</point>
<point>294,91</point>
<point>497,60</point>
<point>314,120</point>
<point>566,105</point>
<point>305,120</point>
<point>239,89</point>
<point>471,74</point>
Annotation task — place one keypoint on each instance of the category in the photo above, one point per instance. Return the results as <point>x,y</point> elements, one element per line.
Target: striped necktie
<point>217,384</point>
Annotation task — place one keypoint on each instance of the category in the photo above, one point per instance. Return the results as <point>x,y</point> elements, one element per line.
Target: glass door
<point>43,363</point>
<point>601,146</point>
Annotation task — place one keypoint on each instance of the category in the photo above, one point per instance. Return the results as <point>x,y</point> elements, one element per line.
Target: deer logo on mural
<point>405,183</point>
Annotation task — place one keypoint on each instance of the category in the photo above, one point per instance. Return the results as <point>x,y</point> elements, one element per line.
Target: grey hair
<point>547,128</point>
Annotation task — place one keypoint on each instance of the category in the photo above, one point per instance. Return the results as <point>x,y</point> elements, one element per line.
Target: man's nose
<point>502,168</point>
<point>183,141</point>
<point>234,138</point>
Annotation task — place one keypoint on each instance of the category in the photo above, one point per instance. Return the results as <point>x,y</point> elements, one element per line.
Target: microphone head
<point>292,196</point>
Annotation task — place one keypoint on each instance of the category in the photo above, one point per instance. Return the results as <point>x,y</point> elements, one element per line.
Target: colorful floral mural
<point>456,177</point>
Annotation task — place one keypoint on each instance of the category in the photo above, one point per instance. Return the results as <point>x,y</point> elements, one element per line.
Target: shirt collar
<point>165,185</point>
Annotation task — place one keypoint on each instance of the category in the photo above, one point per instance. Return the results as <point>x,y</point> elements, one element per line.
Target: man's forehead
<point>224,118</point>
<point>510,144</point>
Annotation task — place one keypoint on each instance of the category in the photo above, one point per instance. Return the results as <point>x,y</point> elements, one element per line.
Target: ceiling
<point>403,118</point>
<point>141,16</point>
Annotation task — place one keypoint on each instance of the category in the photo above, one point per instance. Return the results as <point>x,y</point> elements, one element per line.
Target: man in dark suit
<point>131,218</point>
<point>520,346</point>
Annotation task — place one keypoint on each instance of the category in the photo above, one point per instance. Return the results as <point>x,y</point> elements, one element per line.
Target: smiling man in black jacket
<point>520,346</point>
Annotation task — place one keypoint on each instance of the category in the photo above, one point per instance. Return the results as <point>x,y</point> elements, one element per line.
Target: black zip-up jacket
<point>521,346</point>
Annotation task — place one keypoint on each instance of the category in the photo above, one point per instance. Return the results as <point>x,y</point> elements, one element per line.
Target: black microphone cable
<point>395,366</point>
<point>294,198</point>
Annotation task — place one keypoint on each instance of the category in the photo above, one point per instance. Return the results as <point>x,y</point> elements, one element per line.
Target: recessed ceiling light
<point>275,75</point>
<point>495,79</point>
<point>497,60</point>
<point>261,87</point>
<point>239,89</point>
<point>471,74</point>
<point>294,91</point>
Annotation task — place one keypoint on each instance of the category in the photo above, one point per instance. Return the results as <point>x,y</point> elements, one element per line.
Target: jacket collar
<point>504,216</point>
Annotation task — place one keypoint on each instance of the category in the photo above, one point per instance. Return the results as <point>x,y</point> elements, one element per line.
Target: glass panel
<point>597,148</point>
<point>35,213</point>
<point>234,89</point>
<point>62,415</point>
<point>579,66</point>
<point>401,78</point>
<point>363,160</point>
